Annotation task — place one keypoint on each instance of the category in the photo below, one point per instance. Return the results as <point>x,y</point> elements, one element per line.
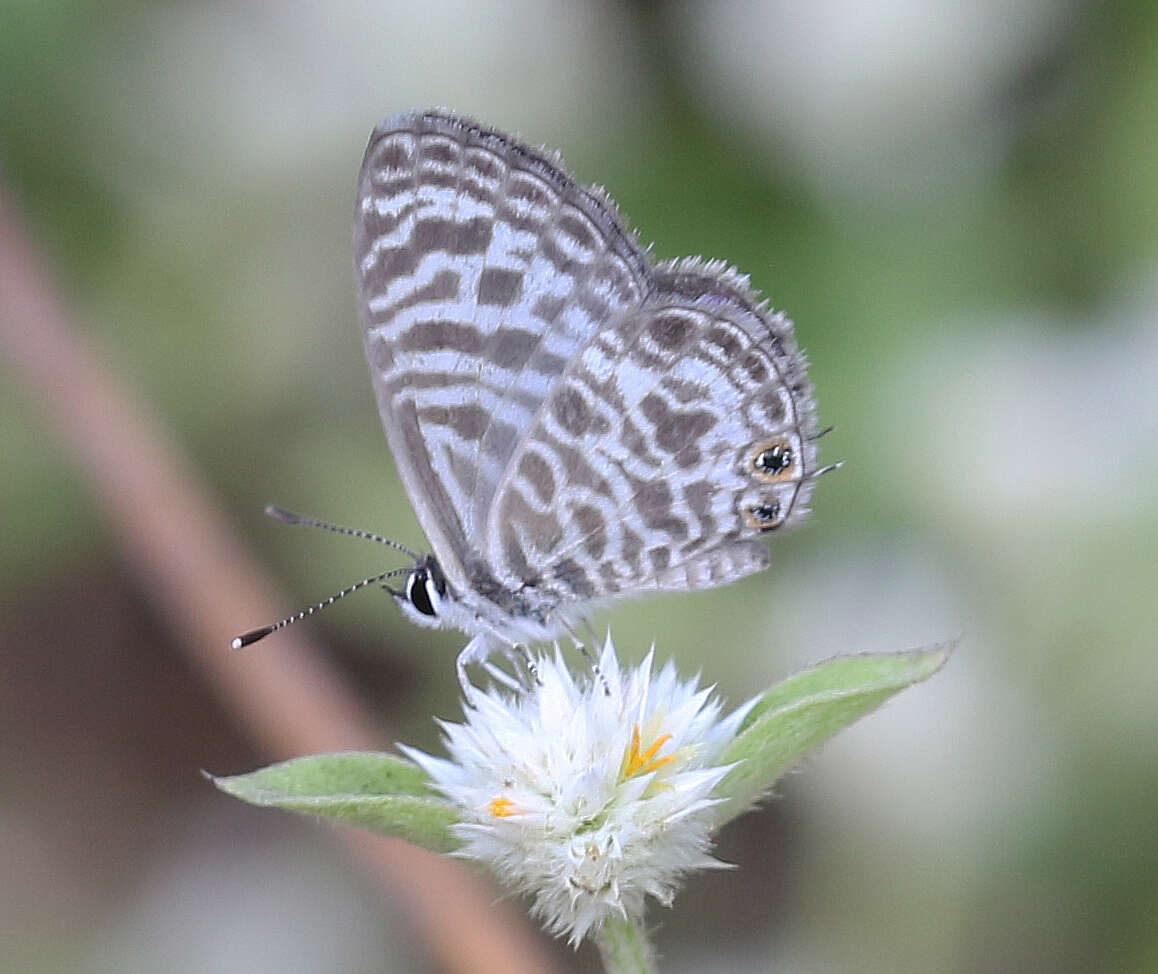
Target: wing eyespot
<point>765,516</point>
<point>774,461</point>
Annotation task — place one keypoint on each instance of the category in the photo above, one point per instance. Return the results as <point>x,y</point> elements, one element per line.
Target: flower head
<point>589,794</point>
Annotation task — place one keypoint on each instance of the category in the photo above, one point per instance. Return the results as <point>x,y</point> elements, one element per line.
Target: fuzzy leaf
<point>801,713</point>
<point>380,792</point>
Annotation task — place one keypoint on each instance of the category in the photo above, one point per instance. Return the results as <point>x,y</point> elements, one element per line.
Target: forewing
<point>483,270</point>
<point>680,433</point>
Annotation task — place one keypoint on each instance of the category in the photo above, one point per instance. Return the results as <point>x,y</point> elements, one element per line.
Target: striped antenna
<point>247,639</point>
<point>289,517</point>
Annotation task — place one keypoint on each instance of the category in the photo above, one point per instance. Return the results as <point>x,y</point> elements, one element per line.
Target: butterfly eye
<point>773,460</point>
<point>765,516</point>
<point>422,592</point>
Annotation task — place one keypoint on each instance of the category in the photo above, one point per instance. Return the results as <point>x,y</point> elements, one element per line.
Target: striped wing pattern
<point>568,418</point>
<point>483,270</point>
<point>639,471</point>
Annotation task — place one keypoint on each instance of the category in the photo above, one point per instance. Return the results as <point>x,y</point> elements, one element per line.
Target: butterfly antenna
<point>289,517</point>
<point>249,638</point>
<point>824,432</point>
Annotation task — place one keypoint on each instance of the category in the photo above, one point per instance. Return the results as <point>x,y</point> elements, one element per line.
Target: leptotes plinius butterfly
<point>573,422</point>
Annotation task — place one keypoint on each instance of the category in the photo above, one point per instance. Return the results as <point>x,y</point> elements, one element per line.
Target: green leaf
<point>801,713</point>
<point>386,794</point>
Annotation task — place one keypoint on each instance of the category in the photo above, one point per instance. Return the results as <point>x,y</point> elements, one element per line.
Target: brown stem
<point>186,558</point>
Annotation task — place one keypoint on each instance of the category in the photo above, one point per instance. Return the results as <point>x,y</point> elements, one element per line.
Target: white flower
<point>587,795</point>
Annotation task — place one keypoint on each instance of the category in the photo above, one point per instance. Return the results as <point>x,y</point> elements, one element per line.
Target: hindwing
<point>681,432</point>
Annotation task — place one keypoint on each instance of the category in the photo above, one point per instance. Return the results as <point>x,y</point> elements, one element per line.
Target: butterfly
<point>573,422</point>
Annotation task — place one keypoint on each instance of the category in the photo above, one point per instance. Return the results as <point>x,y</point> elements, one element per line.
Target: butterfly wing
<point>482,270</point>
<point>680,433</point>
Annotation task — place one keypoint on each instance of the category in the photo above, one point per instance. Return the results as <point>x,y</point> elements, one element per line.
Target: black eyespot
<point>772,460</point>
<point>417,593</point>
<point>767,513</point>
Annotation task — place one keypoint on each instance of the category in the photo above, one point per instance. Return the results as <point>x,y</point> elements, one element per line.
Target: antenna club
<point>281,514</point>
<point>247,639</point>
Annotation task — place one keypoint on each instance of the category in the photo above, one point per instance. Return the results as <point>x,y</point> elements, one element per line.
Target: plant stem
<point>625,948</point>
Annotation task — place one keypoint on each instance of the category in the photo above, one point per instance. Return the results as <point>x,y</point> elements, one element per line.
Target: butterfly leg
<point>595,668</point>
<point>501,678</point>
<point>532,667</point>
<point>523,663</point>
<point>476,651</point>
<point>592,661</point>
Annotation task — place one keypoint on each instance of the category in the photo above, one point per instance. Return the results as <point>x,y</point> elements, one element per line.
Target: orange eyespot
<point>774,462</point>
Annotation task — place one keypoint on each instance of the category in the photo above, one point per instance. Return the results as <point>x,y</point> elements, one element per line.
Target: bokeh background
<point>958,205</point>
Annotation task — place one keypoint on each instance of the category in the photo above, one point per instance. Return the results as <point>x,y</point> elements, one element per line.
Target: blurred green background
<point>958,205</point>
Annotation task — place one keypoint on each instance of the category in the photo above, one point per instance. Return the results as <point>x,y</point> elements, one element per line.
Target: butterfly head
<point>421,599</point>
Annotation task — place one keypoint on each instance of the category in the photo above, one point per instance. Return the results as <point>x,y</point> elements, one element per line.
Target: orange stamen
<point>502,807</point>
<point>635,763</point>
